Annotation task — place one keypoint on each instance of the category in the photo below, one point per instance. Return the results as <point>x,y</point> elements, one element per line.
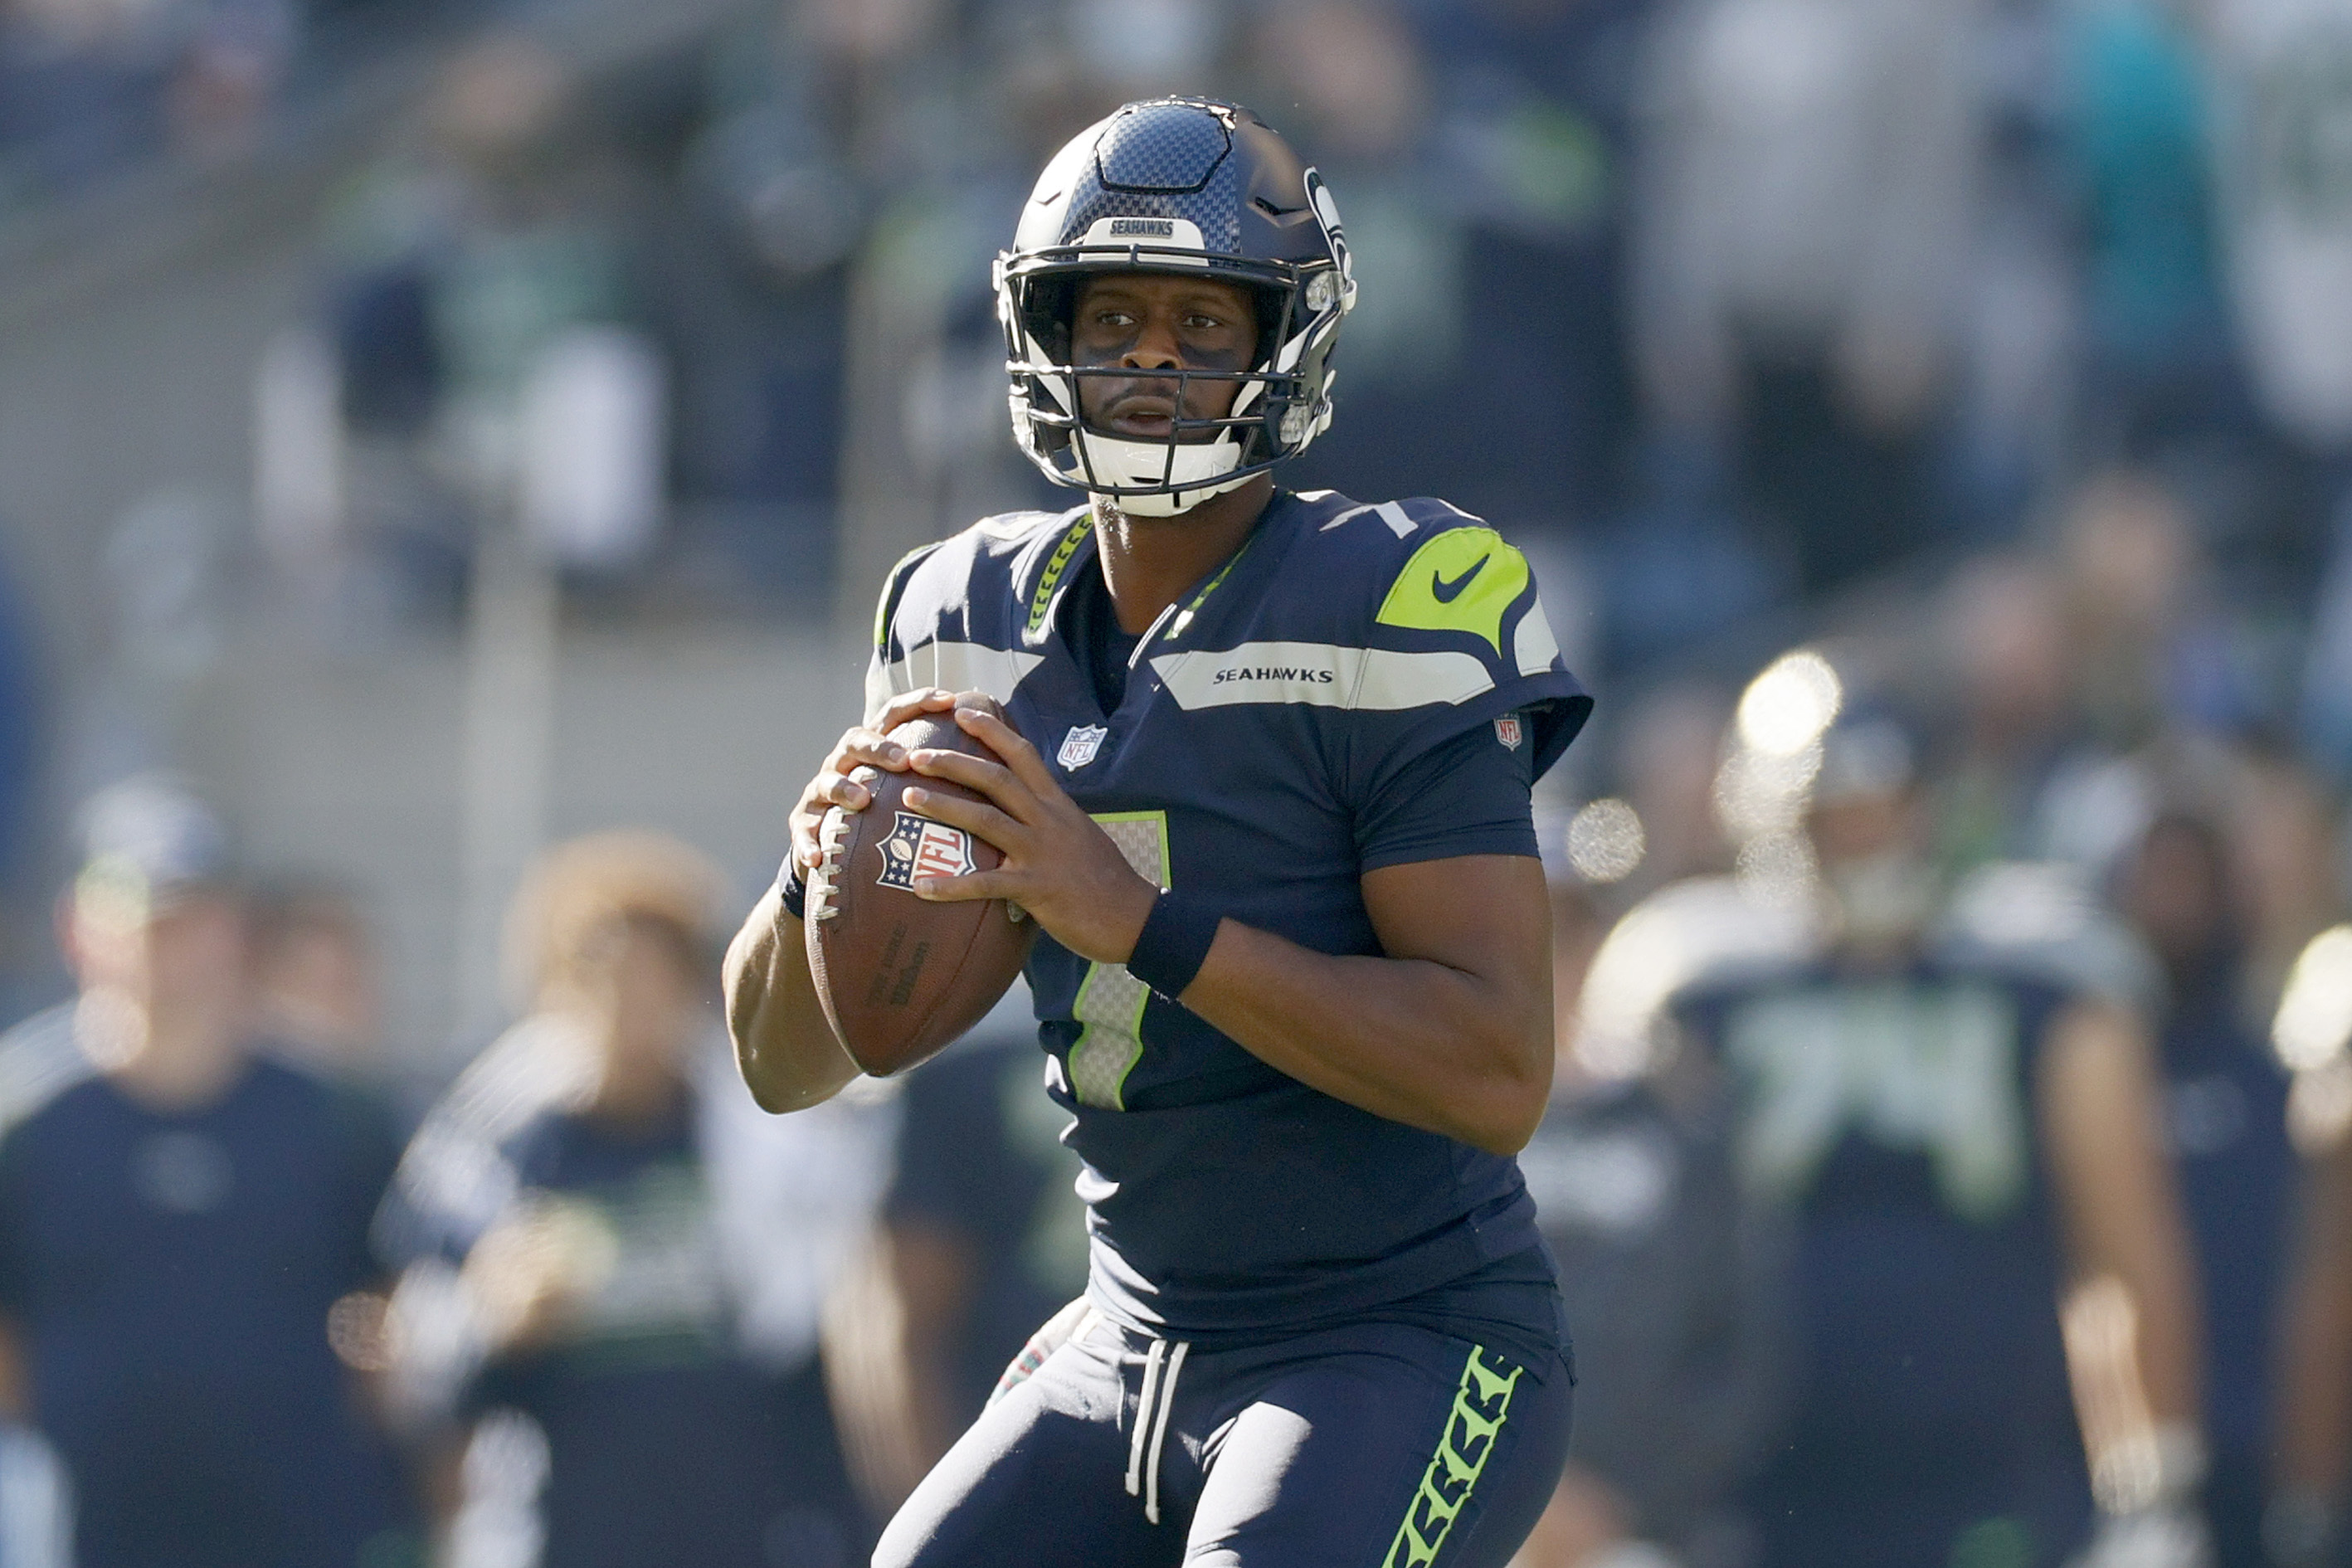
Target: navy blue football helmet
<point>1182,185</point>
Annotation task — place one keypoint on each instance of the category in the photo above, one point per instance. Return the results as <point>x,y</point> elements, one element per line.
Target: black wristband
<point>1174,942</point>
<point>791,886</point>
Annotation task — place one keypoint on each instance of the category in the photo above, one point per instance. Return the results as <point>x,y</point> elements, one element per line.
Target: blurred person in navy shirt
<point>1960,1145</point>
<point>183,1233</point>
<point>317,989</point>
<point>1672,1279</point>
<point>616,1242</point>
<point>984,1239</point>
<point>2226,1110</point>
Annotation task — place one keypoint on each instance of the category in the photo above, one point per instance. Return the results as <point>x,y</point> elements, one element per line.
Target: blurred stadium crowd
<point>1932,424</point>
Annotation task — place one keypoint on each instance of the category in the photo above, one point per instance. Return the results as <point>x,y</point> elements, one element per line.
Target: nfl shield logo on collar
<point>918,847</point>
<point>1508,730</point>
<point>1079,746</point>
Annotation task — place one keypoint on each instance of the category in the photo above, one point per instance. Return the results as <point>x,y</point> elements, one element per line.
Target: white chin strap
<point>1195,474</point>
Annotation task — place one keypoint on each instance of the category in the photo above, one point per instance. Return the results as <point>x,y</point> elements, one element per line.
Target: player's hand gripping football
<point>863,746</point>
<point>1059,865</point>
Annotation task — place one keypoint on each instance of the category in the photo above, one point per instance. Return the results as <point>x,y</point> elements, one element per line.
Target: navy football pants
<point>1373,1446</point>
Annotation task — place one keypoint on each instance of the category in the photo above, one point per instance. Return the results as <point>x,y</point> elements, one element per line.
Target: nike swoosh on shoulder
<point>1445,593</point>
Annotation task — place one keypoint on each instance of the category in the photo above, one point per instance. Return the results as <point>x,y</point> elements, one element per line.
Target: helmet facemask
<point>1278,406</point>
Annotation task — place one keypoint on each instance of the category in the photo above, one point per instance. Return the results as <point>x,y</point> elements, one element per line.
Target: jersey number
<point>1110,1003</point>
<point>1924,1071</point>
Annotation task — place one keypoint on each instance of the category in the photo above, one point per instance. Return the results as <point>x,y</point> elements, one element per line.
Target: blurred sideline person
<point>599,1243</point>
<point>317,994</point>
<point>184,1230</point>
<point>2003,642</point>
<point>2291,860</point>
<point>1957,1148</point>
<point>1672,1281</point>
<point>2226,1098</point>
<point>982,1238</point>
<point>1798,255</point>
<point>2304,1523</point>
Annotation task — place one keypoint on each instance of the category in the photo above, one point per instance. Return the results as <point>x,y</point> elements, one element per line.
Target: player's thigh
<point>1038,1480</point>
<point>1429,1458</point>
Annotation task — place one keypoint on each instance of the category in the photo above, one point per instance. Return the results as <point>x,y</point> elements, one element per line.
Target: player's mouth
<point>1144,415</point>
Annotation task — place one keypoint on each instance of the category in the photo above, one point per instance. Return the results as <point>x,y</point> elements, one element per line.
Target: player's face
<point>1148,322</point>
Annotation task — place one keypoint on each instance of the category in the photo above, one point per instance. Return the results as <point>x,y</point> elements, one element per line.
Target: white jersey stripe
<point>1533,646</point>
<point>1321,675</point>
<point>955,667</point>
<point>1400,520</point>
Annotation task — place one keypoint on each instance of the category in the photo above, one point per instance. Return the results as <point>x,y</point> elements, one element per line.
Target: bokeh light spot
<point>1778,869</point>
<point>1605,841</point>
<point>2313,1025</point>
<point>1786,708</point>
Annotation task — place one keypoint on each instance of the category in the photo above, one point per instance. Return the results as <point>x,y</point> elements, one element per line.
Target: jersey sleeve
<point>886,673</point>
<point>1468,795</point>
<point>1457,642</point>
<point>951,615</point>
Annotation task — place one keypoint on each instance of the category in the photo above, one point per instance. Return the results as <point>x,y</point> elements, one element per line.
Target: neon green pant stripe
<point>1481,1406</point>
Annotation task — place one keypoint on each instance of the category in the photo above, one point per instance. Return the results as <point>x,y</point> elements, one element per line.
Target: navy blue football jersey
<point>1892,1117</point>
<point>1266,721</point>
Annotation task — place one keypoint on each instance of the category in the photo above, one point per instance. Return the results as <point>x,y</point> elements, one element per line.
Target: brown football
<point>900,976</point>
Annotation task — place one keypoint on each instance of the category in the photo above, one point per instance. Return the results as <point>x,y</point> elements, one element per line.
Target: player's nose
<point>1155,347</point>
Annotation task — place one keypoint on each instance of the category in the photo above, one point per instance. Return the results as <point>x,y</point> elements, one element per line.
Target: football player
<point>1957,1144</point>
<point>1265,788</point>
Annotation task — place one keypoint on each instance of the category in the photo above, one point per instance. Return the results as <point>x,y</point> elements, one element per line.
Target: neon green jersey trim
<point>1111,1001</point>
<point>1463,580</point>
<point>890,582</point>
<point>1058,563</point>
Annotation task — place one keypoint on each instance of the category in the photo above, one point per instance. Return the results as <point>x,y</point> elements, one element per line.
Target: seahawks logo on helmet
<point>1177,184</point>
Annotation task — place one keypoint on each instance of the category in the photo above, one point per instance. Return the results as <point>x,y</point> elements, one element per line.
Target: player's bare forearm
<point>2120,1207</point>
<point>785,1048</point>
<point>783,1044</point>
<point>1451,1032</point>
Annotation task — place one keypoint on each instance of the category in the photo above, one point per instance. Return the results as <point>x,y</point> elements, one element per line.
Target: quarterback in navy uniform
<point>1265,790</point>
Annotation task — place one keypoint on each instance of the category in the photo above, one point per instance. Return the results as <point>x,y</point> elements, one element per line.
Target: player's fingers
<point>964,888</point>
<point>911,704</point>
<point>1006,741</point>
<point>867,748</point>
<point>990,779</point>
<point>971,815</point>
<point>808,838</point>
<point>848,791</point>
